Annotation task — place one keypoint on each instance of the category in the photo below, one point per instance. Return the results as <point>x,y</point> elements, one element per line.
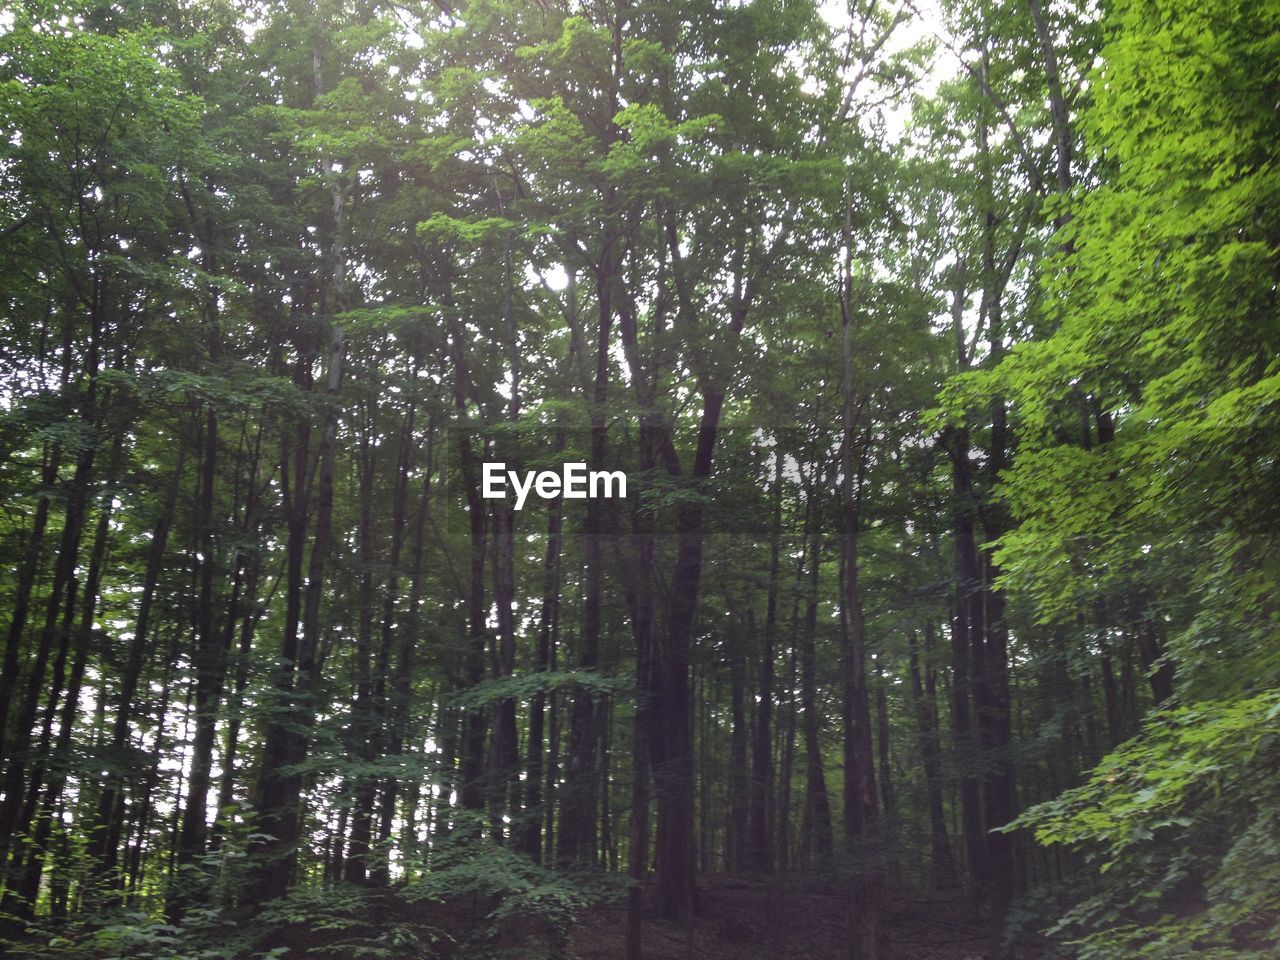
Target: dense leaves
<point>939,348</point>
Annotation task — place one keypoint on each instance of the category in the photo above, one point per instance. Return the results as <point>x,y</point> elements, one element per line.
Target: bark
<point>365,731</point>
<point>887,796</point>
<point>247,625</point>
<point>504,777</point>
<point>30,692</point>
<point>640,596</point>
<point>859,762</point>
<point>397,710</point>
<point>474,720</point>
<point>759,848</point>
<point>143,805</point>
<point>10,671</point>
<point>26,583</point>
<point>210,661</point>
<point>1110,696</point>
<point>993,711</point>
<point>279,784</point>
<point>966,631</point>
<point>1057,108</point>
<point>739,773</point>
<point>577,819</point>
<point>529,840</point>
<point>58,761</point>
<point>608,844</point>
<point>1159,669</point>
<point>672,749</point>
<point>105,832</point>
<point>787,750</point>
<point>817,842</point>
<point>17,903</point>
<point>989,644</point>
<point>941,864</point>
<point>786,765</point>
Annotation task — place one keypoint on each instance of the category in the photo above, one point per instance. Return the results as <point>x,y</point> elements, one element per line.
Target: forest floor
<point>741,919</point>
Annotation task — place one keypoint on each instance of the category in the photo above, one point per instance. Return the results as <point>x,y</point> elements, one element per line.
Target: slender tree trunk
<point>672,750</point>
<point>252,611</point>
<point>145,808</point>
<point>530,839</point>
<point>26,583</point>
<point>210,665</point>
<point>1057,108</point>
<point>577,818</point>
<point>786,767</point>
<point>888,798</point>
<point>818,843</point>
<point>643,731</point>
<point>396,711</point>
<point>759,851</point>
<point>739,776</point>
<point>504,777</point>
<point>859,760</point>
<point>104,836</point>
<point>940,861</point>
<point>28,572</point>
<point>474,720</point>
<point>365,732</point>
<point>279,785</point>
<point>31,692</point>
<point>59,760</point>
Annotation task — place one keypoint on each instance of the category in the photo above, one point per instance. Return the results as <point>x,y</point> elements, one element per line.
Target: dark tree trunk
<point>248,622</point>
<point>279,784</point>
<point>28,572</point>
<point>397,711</point>
<point>530,835</point>
<point>672,749</point>
<point>209,661</point>
<point>577,811</point>
<point>859,761</point>
<point>31,692</point>
<point>759,849</point>
<point>817,842</point>
<point>739,773</point>
<point>365,732</point>
<point>474,720</point>
<point>887,797</point>
<point>504,778</point>
<point>966,630</point>
<point>941,864</point>
<point>1057,107</point>
<point>26,583</point>
<point>1159,669</point>
<point>55,765</point>
<point>640,595</point>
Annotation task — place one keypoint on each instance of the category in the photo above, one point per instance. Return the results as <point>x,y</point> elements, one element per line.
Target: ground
<point>742,919</point>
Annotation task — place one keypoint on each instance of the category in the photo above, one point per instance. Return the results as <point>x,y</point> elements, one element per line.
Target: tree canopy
<point>938,345</point>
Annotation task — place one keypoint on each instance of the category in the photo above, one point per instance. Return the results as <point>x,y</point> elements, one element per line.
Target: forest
<point>936,343</point>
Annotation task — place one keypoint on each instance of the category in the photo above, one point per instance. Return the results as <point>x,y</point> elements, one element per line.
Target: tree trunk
<point>279,784</point>
<point>941,864</point>
<point>759,849</point>
<point>859,761</point>
<point>474,720</point>
<point>739,775</point>
<point>209,661</point>
<point>577,812</point>
<point>817,841</point>
<point>365,731</point>
<point>530,836</point>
